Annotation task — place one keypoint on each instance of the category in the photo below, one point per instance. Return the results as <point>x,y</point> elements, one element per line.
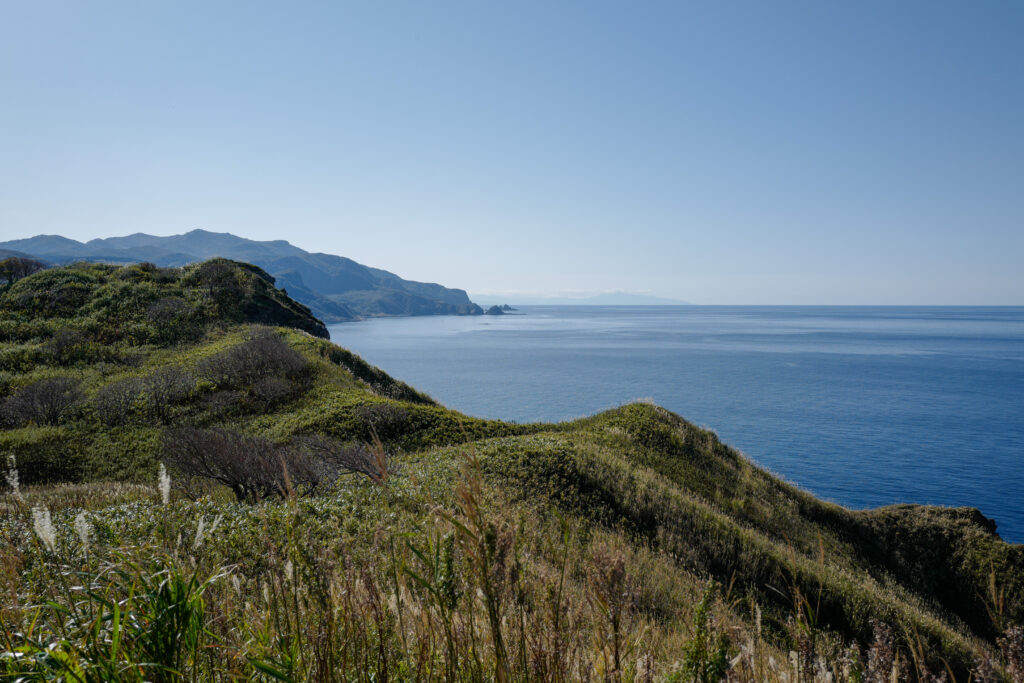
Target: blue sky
<point>718,152</point>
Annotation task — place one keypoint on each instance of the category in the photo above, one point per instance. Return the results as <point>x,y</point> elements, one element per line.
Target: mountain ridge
<point>336,288</point>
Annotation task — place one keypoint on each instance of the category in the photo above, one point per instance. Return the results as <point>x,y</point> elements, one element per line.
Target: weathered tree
<point>255,468</point>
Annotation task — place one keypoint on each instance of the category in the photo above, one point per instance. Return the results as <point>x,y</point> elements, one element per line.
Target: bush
<point>349,457</point>
<point>170,319</point>
<point>270,391</point>
<point>164,389</point>
<point>43,403</point>
<point>387,420</point>
<point>63,347</point>
<point>14,268</point>
<point>223,403</point>
<point>53,293</point>
<point>115,402</point>
<point>262,356</point>
<point>44,455</point>
<point>253,468</point>
<point>21,358</point>
<point>221,282</point>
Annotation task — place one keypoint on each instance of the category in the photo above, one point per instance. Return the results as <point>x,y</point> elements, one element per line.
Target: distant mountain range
<point>335,288</point>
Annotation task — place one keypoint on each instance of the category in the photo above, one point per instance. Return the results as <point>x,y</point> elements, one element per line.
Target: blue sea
<point>863,406</point>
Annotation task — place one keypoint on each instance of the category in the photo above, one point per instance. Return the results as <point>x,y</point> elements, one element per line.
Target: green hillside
<point>327,522</point>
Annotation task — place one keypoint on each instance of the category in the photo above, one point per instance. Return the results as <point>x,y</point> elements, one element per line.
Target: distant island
<point>335,288</point>
<point>604,299</point>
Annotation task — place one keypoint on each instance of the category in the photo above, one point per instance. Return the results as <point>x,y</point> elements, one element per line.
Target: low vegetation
<point>229,500</point>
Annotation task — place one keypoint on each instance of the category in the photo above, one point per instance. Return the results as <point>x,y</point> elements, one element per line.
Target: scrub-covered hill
<point>321,520</point>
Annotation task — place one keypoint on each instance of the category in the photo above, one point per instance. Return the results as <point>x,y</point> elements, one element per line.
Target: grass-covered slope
<point>473,549</point>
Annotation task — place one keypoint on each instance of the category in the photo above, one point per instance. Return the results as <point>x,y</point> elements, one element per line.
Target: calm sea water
<point>862,406</point>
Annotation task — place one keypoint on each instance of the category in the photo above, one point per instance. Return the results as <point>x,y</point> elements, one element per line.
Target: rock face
<point>335,288</point>
<point>495,310</point>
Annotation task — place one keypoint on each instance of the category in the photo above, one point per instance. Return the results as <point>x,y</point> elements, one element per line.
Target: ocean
<point>863,406</point>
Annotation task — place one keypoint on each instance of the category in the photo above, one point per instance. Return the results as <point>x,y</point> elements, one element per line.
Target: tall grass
<point>394,580</point>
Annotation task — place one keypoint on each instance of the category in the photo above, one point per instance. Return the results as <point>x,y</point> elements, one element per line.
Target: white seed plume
<point>12,477</point>
<point>43,526</point>
<point>202,531</point>
<point>164,480</point>
<point>83,530</point>
<point>199,533</point>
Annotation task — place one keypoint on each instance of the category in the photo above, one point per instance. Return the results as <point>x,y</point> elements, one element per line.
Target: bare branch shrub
<point>44,402</point>
<point>115,401</point>
<point>270,391</point>
<point>223,402</point>
<point>349,457</point>
<point>262,356</point>
<point>167,311</point>
<point>164,389</point>
<point>255,468</point>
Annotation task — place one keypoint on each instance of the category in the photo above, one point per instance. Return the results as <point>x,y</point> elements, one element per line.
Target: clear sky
<point>718,152</point>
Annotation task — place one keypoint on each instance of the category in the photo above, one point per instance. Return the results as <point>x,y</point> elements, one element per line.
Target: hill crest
<point>335,288</point>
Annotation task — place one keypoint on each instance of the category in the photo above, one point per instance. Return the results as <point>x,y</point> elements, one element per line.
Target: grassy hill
<point>326,522</point>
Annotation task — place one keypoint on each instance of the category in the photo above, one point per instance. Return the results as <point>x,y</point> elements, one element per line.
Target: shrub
<point>270,391</point>
<point>14,268</point>
<point>255,468</point>
<point>170,318</point>
<point>164,389</point>
<point>223,403</point>
<point>705,657</point>
<point>67,347</point>
<point>387,420</point>
<point>62,345</point>
<point>44,402</point>
<point>53,293</point>
<point>221,282</point>
<point>21,357</point>
<point>349,457</point>
<point>262,356</point>
<point>43,455</point>
<point>115,401</point>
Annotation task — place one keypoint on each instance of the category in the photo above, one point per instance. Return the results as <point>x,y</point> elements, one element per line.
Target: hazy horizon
<point>792,154</point>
